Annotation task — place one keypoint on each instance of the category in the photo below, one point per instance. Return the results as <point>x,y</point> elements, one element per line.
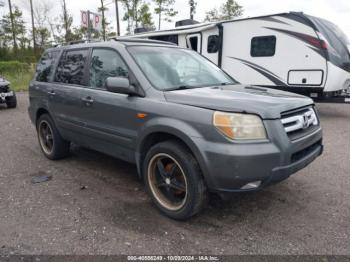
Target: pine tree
<point>136,13</point>
<point>16,32</point>
<point>145,17</point>
<point>229,10</point>
<point>164,7</point>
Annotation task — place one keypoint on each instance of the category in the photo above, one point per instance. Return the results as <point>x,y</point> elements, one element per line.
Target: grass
<point>19,81</point>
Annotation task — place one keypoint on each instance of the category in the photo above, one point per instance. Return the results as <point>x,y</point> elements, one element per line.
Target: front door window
<point>106,63</point>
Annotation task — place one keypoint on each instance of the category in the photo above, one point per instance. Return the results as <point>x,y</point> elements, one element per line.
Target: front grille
<point>305,152</point>
<point>300,122</point>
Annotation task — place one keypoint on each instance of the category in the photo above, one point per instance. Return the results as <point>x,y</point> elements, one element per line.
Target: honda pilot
<point>190,128</point>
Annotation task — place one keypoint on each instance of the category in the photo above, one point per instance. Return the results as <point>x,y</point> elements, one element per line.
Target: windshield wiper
<point>227,83</point>
<point>182,87</point>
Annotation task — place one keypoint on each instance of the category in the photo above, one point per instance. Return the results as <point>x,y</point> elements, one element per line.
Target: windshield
<point>170,68</point>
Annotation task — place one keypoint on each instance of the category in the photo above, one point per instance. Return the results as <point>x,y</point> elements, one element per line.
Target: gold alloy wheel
<point>167,181</point>
<point>45,137</point>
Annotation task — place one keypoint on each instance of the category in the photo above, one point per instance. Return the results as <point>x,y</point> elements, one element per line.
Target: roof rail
<point>140,40</point>
<point>76,42</point>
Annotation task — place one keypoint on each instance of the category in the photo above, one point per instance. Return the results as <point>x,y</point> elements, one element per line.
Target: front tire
<point>11,101</point>
<point>174,181</point>
<point>51,142</point>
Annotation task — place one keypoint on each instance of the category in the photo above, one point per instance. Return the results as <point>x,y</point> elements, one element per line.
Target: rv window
<point>263,46</point>
<point>194,43</point>
<point>167,38</point>
<point>213,44</point>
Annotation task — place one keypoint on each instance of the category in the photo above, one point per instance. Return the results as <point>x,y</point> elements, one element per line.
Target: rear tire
<point>11,101</point>
<point>174,180</point>
<point>51,142</point>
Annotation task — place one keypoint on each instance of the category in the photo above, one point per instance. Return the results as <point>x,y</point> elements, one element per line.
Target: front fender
<point>177,128</point>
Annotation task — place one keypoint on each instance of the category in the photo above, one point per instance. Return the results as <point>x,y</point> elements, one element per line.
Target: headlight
<point>240,126</point>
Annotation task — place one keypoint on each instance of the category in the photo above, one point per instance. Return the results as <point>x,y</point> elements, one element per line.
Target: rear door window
<point>71,68</point>
<point>263,46</point>
<point>44,69</point>
<point>106,63</point>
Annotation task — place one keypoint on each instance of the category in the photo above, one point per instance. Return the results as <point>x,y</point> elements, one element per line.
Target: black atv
<point>6,95</point>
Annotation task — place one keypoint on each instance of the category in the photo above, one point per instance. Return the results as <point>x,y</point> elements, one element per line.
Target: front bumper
<point>4,95</point>
<point>230,167</point>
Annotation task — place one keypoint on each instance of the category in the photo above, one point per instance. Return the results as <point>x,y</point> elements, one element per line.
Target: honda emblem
<point>306,121</point>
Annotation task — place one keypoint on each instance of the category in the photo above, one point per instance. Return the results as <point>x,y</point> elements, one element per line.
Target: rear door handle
<point>51,93</point>
<point>87,100</point>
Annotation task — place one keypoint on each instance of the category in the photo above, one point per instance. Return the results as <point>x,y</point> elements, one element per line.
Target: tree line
<point>24,41</point>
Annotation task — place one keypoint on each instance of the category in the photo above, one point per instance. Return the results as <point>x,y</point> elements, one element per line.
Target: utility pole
<point>117,17</point>
<point>193,5</point>
<point>103,21</point>
<point>65,19</point>
<point>160,15</point>
<point>12,26</point>
<point>89,26</point>
<point>33,27</point>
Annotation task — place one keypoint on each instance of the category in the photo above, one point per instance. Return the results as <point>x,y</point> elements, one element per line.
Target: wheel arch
<point>41,111</point>
<point>159,134</point>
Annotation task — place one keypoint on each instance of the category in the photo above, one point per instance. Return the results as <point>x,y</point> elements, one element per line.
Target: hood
<point>3,82</point>
<point>265,102</point>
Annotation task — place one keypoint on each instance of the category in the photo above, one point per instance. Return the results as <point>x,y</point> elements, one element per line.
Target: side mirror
<point>120,85</point>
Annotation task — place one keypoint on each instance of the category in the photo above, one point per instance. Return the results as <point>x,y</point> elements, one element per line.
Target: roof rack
<point>129,40</point>
<point>140,40</point>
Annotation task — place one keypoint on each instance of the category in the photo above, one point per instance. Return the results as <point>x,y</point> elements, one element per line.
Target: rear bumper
<point>231,167</point>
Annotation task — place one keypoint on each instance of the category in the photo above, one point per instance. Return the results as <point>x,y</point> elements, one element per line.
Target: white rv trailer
<point>289,51</point>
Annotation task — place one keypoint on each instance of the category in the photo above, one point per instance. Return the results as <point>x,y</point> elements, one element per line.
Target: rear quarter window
<point>263,46</point>
<point>71,68</point>
<point>44,69</point>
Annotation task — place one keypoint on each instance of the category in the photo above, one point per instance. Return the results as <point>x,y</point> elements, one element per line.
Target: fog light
<point>252,185</point>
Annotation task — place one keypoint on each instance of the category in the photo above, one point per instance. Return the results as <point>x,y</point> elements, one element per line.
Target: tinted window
<point>71,67</point>
<point>106,63</point>
<point>263,46</point>
<point>194,43</point>
<point>167,38</point>
<point>44,69</point>
<point>213,44</point>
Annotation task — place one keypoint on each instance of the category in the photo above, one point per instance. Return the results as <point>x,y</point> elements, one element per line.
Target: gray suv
<point>186,124</point>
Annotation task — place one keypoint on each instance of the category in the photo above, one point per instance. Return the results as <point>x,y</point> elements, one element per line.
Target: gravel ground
<point>95,204</point>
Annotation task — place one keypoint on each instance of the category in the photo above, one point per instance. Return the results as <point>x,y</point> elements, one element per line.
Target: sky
<point>337,11</point>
